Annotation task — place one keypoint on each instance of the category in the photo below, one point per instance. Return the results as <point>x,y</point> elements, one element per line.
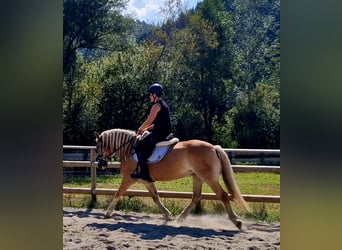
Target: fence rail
<point>93,190</point>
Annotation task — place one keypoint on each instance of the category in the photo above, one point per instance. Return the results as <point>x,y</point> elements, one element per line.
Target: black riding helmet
<point>156,88</point>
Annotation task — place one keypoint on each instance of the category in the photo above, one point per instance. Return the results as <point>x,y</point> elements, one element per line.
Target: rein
<point>122,145</point>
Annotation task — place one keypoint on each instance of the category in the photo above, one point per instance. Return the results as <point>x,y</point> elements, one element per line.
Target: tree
<point>256,118</point>
<point>89,25</point>
<point>184,69</point>
<point>219,65</point>
<point>256,43</point>
<point>126,78</point>
<point>211,28</point>
<point>196,67</point>
<point>90,28</point>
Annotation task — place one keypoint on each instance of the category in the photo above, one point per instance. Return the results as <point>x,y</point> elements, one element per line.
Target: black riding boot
<point>143,174</point>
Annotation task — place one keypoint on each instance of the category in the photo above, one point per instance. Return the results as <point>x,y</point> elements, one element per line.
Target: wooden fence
<point>248,156</point>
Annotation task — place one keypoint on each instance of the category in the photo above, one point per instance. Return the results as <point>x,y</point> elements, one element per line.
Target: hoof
<point>107,216</point>
<point>239,225</point>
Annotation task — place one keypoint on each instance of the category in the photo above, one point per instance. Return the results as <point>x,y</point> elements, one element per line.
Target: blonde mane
<point>119,141</point>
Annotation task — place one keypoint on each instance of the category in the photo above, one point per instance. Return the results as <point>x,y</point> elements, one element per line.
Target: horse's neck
<point>124,144</point>
<point>125,155</point>
<point>127,163</point>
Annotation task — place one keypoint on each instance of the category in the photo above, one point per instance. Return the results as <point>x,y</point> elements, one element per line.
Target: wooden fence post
<point>93,176</point>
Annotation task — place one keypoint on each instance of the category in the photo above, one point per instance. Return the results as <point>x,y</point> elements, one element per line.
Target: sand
<point>88,229</point>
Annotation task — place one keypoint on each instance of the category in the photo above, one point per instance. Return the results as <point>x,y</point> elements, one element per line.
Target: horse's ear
<point>97,135</point>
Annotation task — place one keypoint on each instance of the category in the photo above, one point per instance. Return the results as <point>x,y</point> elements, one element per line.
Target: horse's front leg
<point>153,191</point>
<point>125,184</point>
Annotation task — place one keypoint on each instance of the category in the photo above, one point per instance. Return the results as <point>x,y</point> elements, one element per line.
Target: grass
<point>249,183</point>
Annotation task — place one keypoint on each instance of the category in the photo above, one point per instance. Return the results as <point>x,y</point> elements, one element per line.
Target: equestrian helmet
<point>156,88</point>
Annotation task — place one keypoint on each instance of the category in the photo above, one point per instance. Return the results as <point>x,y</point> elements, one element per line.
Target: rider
<point>159,123</point>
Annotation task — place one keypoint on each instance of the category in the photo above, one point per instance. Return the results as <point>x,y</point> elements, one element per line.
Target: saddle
<point>161,149</point>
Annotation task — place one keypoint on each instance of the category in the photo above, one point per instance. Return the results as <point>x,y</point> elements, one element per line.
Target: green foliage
<point>130,204</point>
<point>124,103</point>
<point>256,118</point>
<point>262,212</point>
<point>78,201</point>
<point>90,28</point>
<point>174,207</point>
<point>212,60</point>
<point>90,25</point>
<point>256,43</point>
<point>189,123</point>
<point>203,59</point>
<point>223,133</point>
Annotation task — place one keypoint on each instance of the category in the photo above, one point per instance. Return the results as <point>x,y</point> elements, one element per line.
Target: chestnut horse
<point>202,160</point>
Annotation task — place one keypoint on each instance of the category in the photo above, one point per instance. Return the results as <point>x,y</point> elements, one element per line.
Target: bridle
<point>100,158</point>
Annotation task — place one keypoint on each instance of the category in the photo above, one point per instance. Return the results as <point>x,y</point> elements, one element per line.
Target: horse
<point>203,161</point>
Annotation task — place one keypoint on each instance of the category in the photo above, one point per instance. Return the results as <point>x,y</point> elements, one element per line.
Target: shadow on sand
<point>135,223</point>
<point>157,232</point>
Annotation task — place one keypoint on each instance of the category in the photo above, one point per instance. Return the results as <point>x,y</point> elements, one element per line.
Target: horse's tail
<point>229,179</point>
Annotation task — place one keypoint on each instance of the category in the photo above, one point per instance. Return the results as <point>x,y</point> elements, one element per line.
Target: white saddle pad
<point>157,154</point>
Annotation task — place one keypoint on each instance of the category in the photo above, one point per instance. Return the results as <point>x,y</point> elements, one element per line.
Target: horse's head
<point>114,141</point>
<point>102,157</point>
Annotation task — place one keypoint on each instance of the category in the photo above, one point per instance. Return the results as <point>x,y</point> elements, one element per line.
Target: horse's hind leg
<point>125,184</point>
<point>223,196</point>
<point>197,191</point>
<point>153,191</point>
